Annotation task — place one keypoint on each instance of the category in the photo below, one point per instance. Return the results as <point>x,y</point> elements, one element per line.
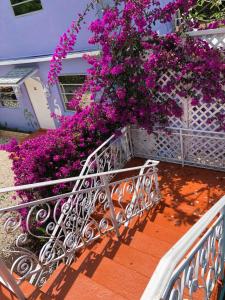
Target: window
<point>8,98</point>
<point>22,7</point>
<point>68,85</point>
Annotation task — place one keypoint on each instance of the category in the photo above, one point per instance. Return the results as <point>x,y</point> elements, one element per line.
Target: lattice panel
<point>158,145</point>
<point>199,148</point>
<point>215,40</point>
<point>215,37</point>
<point>200,115</point>
<point>206,151</point>
<point>166,146</point>
<point>173,121</point>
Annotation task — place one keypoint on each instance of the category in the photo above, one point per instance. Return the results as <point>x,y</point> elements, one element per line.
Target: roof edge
<point>44,58</point>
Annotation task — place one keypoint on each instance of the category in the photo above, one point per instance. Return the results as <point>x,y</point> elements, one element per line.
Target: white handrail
<point>97,150</point>
<point>68,194</point>
<point>70,179</point>
<point>160,278</point>
<point>93,153</point>
<point>206,32</point>
<point>65,180</point>
<point>7,279</point>
<point>191,130</point>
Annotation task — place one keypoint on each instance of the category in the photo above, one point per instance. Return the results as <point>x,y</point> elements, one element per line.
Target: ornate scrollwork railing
<point>111,155</point>
<point>42,238</point>
<point>192,268</point>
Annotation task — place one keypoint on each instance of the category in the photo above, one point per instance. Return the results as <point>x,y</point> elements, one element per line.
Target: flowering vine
<point>128,84</point>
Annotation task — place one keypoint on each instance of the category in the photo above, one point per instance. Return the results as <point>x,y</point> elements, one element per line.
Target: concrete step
<point>150,245</point>
<point>164,233</point>
<point>114,276</point>
<point>6,294</point>
<point>30,292</point>
<point>127,256</point>
<point>68,284</point>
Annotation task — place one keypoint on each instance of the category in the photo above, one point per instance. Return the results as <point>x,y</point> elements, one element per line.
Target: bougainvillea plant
<point>134,60</point>
<point>127,86</point>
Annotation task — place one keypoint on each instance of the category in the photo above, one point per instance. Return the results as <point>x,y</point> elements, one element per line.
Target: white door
<point>39,102</point>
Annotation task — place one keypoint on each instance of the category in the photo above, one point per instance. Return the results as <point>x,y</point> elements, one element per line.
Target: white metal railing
<point>112,154</point>
<point>195,263</point>
<point>187,146</point>
<point>43,238</point>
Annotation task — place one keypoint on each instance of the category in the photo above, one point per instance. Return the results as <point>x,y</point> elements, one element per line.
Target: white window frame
<point>63,95</point>
<point>11,100</point>
<point>24,2</point>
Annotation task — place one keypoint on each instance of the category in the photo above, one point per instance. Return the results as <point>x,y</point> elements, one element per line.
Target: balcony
<point>131,227</point>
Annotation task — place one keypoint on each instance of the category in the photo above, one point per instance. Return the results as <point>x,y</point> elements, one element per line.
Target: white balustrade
<point>49,231</point>
<point>186,146</point>
<point>192,267</point>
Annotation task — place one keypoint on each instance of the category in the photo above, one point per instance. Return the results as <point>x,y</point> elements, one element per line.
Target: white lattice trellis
<point>186,146</point>
<point>199,116</point>
<point>191,139</point>
<point>215,37</point>
<point>208,151</point>
<point>174,121</point>
<point>203,117</point>
<point>161,144</point>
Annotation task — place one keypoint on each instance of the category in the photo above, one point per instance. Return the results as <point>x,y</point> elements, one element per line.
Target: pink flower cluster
<point>127,84</point>
<point>60,152</point>
<point>66,44</point>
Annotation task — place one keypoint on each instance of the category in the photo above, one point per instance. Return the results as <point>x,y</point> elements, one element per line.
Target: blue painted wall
<point>37,34</point>
<point>70,66</point>
<point>23,117</point>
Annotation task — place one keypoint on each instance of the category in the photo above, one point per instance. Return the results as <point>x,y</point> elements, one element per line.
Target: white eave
<point>44,58</point>
<point>16,76</point>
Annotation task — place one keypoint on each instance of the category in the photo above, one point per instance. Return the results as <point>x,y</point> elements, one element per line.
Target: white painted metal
<point>40,103</point>
<point>180,145</point>
<point>215,37</point>
<point>88,213</point>
<point>7,279</point>
<point>73,220</point>
<point>198,255</point>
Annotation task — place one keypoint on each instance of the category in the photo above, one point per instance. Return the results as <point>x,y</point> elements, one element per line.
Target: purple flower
<point>121,93</point>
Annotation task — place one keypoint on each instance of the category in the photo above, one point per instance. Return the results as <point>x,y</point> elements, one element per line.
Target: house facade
<point>29,32</point>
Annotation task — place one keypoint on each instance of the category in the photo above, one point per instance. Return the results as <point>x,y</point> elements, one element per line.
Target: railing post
<point>97,163</point>
<point>10,281</point>
<point>130,143</point>
<point>223,246</point>
<point>155,174</point>
<point>182,147</point>
<point>111,208</point>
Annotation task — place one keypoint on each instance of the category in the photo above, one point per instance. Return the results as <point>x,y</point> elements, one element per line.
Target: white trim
<point>152,163</point>
<point>20,81</point>
<point>63,95</point>
<point>20,3</point>
<point>44,58</point>
<point>206,32</point>
<point>27,13</point>
<point>167,264</point>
